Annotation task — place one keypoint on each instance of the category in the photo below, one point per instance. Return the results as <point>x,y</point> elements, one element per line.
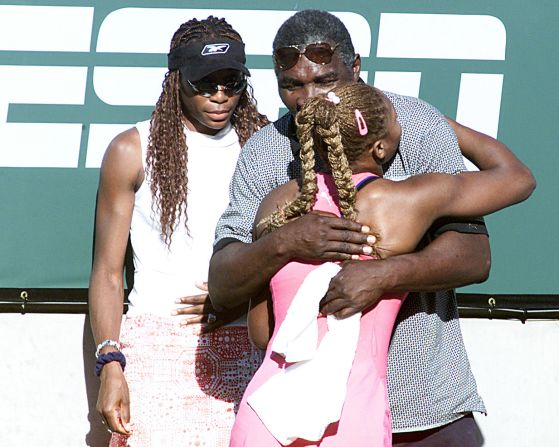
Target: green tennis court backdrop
<point>73,74</point>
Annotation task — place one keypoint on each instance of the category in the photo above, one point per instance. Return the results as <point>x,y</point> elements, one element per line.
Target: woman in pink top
<point>354,129</point>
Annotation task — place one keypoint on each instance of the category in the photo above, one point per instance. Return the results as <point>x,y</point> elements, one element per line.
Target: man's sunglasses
<point>319,53</point>
<point>207,89</point>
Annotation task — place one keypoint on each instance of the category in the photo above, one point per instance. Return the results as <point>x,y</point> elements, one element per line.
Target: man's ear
<point>356,67</point>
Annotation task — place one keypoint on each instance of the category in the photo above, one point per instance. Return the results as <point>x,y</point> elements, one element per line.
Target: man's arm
<point>240,270</point>
<point>446,263</point>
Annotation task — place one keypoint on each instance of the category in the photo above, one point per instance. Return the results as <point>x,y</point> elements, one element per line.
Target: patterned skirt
<point>185,388</point>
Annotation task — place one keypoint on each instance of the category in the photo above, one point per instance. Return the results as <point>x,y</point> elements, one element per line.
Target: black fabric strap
<point>472,225</point>
<point>223,243</point>
<point>366,181</point>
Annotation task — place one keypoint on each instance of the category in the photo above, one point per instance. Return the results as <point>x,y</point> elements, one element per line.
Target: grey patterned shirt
<point>430,382</point>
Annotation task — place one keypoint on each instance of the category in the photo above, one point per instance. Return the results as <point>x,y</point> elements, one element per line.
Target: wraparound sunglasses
<point>207,89</point>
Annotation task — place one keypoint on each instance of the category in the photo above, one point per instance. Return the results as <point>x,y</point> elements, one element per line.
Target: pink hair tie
<point>361,124</point>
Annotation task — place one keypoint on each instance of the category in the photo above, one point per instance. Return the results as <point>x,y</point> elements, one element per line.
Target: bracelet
<point>108,357</point>
<point>113,343</point>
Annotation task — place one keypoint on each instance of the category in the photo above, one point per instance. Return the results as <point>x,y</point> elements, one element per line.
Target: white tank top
<point>161,273</point>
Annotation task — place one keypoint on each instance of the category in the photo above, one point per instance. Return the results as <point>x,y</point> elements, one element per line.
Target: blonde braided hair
<point>331,130</point>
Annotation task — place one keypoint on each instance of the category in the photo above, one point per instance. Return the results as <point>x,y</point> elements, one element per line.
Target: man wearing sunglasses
<point>432,389</point>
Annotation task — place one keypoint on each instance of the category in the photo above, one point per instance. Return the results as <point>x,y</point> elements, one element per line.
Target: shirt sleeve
<point>428,143</point>
<point>247,189</point>
<point>440,150</point>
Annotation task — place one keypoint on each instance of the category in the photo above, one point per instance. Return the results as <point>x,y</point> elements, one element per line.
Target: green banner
<point>73,74</point>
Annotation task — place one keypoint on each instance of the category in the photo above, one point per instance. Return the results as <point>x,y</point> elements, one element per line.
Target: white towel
<point>304,398</point>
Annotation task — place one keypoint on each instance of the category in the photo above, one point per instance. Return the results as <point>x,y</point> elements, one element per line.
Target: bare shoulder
<point>411,190</point>
<point>400,212</point>
<point>377,192</point>
<point>276,199</point>
<point>126,146</point>
<point>123,157</point>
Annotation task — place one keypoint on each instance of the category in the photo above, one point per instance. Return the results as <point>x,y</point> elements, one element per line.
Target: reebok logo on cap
<point>215,48</point>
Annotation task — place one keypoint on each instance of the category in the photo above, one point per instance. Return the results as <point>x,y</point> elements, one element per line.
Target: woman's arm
<point>260,320</point>
<point>452,260</point>
<point>503,179</point>
<point>449,257</point>
<point>121,174</point>
<point>412,205</point>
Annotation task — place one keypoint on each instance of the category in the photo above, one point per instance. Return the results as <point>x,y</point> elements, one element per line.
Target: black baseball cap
<point>198,59</point>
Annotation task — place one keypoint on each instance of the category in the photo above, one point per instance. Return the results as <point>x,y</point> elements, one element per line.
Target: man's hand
<point>239,271</point>
<point>323,236</point>
<point>113,402</point>
<point>199,309</point>
<point>356,287</point>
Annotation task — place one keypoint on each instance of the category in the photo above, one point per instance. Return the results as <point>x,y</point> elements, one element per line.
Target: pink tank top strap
<point>327,195</point>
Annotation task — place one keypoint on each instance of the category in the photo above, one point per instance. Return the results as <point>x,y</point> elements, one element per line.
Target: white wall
<point>47,385</point>
<point>48,389</point>
<point>517,370</point>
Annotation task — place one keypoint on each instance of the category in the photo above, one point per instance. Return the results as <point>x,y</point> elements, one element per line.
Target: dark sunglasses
<point>207,89</point>
<point>319,53</point>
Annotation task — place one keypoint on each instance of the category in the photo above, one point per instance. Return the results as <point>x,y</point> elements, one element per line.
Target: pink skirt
<point>185,388</point>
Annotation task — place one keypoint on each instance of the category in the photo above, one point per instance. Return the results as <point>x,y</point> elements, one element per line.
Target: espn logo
<point>97,90</point>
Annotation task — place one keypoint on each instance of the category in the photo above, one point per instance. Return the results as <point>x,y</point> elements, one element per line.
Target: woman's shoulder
<point>123,156</point>
<point>278,197</point>
<point>126,144</point>
<point>377,189</point>
<point>274,200</point>
<point>412,185</point>
<point>383,198</point>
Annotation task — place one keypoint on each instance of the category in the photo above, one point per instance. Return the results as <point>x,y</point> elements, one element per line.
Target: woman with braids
<point>323,379</point>
<point>164,183</point>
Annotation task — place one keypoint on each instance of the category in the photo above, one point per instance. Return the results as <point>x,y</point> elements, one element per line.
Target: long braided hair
<point>167,151</point>
<point>331,130</point>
